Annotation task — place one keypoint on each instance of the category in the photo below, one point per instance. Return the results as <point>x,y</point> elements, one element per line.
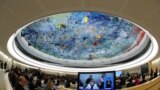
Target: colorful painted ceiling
<point>83,35</point>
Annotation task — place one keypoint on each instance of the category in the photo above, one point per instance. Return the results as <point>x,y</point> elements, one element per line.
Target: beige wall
<point>155,64</point>
<point>133,70</point>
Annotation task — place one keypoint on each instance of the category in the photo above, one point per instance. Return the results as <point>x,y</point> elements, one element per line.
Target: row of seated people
<point>37,80</point>
<point>134,79</point>
<point>33,79</point>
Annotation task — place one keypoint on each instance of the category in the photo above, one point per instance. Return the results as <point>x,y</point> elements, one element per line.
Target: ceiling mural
<point>83,35</point>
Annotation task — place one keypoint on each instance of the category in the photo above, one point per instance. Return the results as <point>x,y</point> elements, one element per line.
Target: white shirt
<point>94,87</point>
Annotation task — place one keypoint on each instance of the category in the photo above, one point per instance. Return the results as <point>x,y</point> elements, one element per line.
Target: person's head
<point>135,75</point>
<point>51,79</point>
<point>90,76</point>
<point>35,78</point>
<point>22,80</point>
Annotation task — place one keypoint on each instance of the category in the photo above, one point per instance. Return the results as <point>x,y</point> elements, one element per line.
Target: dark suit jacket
<point>19,87</point>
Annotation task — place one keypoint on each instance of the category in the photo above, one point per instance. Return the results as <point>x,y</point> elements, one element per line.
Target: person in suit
<point>155,74</point>
<point>80,85</point>
<point>89,79</point>
<point>92,86</point>
<point>143,79</point>
<point>32,83</point>
<point>68,81</point>
<point>21,83</point>
<point>101,82</point>
<point>108,83</point>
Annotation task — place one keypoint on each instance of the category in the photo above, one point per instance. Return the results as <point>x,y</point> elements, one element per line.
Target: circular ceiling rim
<point>19,30</point>
<point>91,6</point>
<point>66,69</point>
<point>156,46</point>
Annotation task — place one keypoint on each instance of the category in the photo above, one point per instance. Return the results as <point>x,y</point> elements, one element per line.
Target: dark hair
<point>52,79</point>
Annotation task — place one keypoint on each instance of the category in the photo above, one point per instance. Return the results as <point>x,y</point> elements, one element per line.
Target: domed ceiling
<point>82,39</point>
<point>83,35</point>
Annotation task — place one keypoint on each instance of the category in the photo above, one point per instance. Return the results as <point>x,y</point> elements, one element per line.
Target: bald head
<point>22,80</point>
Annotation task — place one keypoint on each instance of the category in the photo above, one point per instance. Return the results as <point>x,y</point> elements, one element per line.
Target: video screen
<point>118,73</point>
<point>96,81</point>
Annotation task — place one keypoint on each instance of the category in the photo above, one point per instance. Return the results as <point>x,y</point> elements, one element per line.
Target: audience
<point>134,79</point>
<point>37,80</point>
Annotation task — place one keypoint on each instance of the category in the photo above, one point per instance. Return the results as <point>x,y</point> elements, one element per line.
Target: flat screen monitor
<point>96,80</point>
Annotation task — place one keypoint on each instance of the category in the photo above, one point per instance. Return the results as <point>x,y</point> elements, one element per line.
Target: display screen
<point>96,81</point>
<point>118,73</point>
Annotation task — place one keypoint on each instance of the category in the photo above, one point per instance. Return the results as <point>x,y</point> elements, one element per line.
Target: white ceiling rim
<point>131,64</point>
<point>100,62</point>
